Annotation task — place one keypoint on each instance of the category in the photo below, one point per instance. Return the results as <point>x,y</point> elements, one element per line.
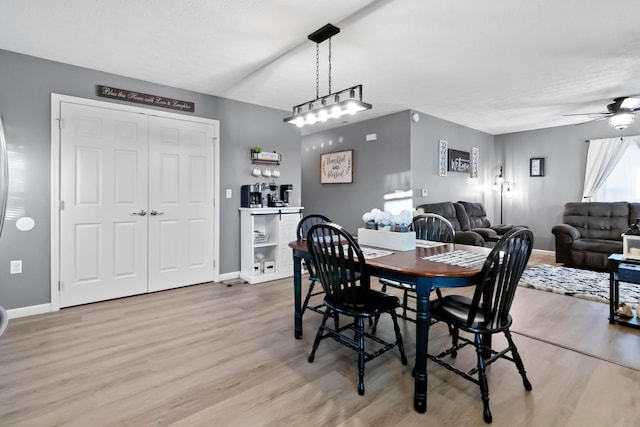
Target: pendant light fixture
<point>333,105</point>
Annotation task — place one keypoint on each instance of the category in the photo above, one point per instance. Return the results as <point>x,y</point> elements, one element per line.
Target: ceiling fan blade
<point>630,103</point>
<point>595,120</point>
<point>587,114</point>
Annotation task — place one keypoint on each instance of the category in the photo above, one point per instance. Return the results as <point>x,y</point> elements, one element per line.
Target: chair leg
<point>399,341</point>
<point>405,301</point>
<point>359,338</point>
<point>482,379</point>
<point>455,333</point>
<point>316,342</point>
<point>375,324</point>
<point>518,361</point>
<point>306,299</point>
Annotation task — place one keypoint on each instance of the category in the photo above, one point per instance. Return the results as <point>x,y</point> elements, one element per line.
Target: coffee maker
<point>251,196</point>
<point>285,193</point>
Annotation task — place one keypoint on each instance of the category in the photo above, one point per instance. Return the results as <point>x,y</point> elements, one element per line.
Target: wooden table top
<point>411,262</point>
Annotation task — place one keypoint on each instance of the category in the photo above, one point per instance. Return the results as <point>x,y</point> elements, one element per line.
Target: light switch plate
<point>16,266</point>
<point>229,193</point>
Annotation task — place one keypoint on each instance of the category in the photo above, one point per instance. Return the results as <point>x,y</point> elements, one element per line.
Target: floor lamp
<point>500,184</point>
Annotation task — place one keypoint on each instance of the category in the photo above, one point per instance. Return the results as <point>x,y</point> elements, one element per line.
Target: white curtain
<point>602,157</point>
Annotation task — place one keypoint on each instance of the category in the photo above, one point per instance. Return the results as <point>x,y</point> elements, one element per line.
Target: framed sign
<point>459,161</point>
<point>536,166</point>
<point>336,167</point>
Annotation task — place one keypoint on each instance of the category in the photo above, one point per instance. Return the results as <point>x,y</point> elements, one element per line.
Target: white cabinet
<point>265,234</point>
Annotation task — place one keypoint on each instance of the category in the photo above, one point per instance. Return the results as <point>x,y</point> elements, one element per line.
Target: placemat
<point>460,258</point>
<point>370,253</point>
<point>428,243</point>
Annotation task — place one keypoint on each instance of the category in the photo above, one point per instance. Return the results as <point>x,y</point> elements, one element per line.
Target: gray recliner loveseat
<point>592,231</point>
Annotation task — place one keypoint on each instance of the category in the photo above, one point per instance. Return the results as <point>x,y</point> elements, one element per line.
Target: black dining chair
<point>428,226</point>
<point>301,232</point>
<point>487,312</point>
<point>340,267</point>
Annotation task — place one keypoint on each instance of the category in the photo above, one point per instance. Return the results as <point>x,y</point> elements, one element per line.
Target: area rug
<point>586,284</point>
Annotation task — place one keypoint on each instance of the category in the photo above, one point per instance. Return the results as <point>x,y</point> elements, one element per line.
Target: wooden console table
<point>614,286</point>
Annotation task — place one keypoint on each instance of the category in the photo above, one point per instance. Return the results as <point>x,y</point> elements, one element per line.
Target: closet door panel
<point>181,195</point>
<point>103,187</point>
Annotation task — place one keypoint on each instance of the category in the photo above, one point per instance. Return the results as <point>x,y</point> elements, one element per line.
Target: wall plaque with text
<point>336,167</point>
<point>144,98</point>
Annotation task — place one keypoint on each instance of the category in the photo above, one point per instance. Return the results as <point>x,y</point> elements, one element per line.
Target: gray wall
<point>425,137</point>
<point>26,84</point>
<point>405,156</point>
<point>539,201</point>
<point>379,167</point>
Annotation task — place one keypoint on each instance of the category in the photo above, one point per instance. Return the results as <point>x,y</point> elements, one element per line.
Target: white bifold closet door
<point>136,203</point>
<point>180,203</point>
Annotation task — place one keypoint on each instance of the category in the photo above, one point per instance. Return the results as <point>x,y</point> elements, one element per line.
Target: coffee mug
<point>276,173</point>
<point>266,172</point>
<point>256,171</point>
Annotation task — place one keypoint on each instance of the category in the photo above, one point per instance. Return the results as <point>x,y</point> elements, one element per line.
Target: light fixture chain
<point>317,70</point>
<point>329,65</point>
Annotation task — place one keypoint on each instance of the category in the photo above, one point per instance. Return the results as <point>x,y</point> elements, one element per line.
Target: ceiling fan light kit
<point>621,120</point>
<point>333,105</point>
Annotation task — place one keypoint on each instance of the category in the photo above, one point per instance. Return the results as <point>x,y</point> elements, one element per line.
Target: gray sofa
<point>592,231</point>
<point>469,220</point>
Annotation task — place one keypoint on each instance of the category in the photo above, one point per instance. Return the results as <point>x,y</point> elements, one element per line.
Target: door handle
<point>142,212</point>
<point>154,213</point>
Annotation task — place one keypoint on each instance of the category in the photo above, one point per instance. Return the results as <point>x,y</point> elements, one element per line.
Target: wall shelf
<point>265,157</point>
<point>264,161</point>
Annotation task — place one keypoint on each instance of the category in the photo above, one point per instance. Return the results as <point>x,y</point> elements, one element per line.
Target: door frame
<point>56,100</point>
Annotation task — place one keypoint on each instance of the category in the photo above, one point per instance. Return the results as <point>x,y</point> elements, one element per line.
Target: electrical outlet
<point>229,193</point>
<point>16,266</point>
<point>424,192</point>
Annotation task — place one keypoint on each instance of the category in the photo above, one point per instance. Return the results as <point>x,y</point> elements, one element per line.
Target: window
<point>623,184</point>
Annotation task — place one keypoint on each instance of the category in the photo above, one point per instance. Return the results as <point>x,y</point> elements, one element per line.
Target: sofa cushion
<point>463,218</point>
<point>488,234</point>
<point>445,209</point>
<point>598,220</point>
<point>597,245</point>
<point>477,215</point>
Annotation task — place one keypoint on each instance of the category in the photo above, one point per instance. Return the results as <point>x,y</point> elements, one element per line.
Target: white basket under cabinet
<point>265,234</point>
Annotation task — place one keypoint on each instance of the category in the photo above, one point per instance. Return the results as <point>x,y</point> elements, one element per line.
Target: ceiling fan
<point>621,112</point>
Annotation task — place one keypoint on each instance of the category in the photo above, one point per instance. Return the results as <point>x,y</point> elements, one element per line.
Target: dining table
<point>426,267</point>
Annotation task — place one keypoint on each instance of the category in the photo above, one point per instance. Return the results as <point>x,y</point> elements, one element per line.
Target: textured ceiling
<point>498,66</point>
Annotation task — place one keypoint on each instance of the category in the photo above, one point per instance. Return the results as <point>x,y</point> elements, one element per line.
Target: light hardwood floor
<point>213,355</point>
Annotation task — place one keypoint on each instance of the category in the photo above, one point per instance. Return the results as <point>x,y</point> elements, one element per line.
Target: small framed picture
<point>536,166</point>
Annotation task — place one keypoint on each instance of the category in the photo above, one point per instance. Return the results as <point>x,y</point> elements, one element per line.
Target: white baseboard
<point>15,313</point>
<point>32,310</point>
<point>230,276</point>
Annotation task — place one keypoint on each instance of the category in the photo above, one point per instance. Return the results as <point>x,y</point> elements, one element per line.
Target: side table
<point>614,286</point>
